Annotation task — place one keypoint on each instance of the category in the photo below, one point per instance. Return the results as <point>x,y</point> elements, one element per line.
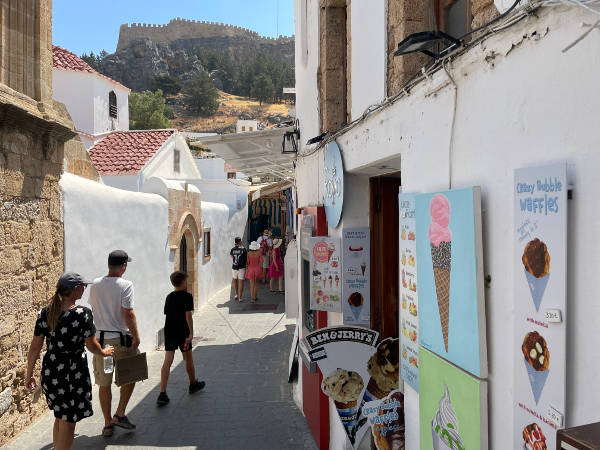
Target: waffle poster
<point>540,267</point>
<point>450,271</point>
<point>356,289</point>
<point>325,269</point>
<point>409,311</point>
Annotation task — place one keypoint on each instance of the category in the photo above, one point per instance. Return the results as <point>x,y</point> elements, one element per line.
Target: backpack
<point>264,247</point>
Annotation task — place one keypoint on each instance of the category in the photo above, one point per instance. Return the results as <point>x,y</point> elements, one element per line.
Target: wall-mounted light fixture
<point>426,42</point>
<point>290,140</point>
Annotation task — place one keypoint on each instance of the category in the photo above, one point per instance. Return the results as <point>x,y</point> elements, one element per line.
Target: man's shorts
<point>174,343</point>
<point>238,274</point>
<point>265,261</point>
<point>105,379</point>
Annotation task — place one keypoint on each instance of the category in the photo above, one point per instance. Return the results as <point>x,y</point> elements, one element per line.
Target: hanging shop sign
<point>326,274</point>
<point>540,267</point>
<point>452,406</point>
<point>333,184</point>
<point>409,301</point>
<point>450,273</point>
<point>358,375</point>
<point>356,285</point>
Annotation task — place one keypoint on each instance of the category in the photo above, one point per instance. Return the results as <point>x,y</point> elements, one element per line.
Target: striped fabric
<point>270,208</point>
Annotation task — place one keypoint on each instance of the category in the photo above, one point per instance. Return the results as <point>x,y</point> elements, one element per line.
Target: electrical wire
<point>451,140</point>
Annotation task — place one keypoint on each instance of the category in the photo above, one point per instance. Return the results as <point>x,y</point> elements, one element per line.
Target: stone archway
<point>188,239</point>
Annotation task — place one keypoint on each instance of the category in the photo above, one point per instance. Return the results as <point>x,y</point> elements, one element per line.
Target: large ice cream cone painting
<point>450,273</point>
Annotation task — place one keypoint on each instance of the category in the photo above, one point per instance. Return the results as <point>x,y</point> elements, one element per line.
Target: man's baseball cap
<point>118,257</point>
<point>69,280</point>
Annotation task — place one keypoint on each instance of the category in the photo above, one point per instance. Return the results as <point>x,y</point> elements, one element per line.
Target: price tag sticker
<point>553,316</point>
<point>555,417</point>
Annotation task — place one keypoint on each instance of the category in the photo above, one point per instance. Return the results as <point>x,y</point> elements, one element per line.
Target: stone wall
<point>185,29</point>
<point>77,160</point>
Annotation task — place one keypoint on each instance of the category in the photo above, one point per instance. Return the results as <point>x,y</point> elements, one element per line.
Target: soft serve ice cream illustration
<point>440,240</point>
<point>444,426</point>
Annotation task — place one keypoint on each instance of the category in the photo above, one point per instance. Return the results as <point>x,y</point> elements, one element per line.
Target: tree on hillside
<point>201,96</point>
<point>94,60</point>
<point>167,84</point>
<point>147,111</point>
<point>263,89</point>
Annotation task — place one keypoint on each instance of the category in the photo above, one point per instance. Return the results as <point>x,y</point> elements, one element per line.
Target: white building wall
<point>127,182</point>
<point>368,54</point>
<point>223,191</point>
<point>99,219</point>
<point>76,91</point>
<point>211,168</point>
<point>247,125</point>
<point>162,163</point>
<point>225,225</point>
<point>102,121</point>
<point>521,101</point>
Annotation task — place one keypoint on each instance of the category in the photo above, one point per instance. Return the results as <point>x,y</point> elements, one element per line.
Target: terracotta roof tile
<point>66,60</point>
<point>126,152</point>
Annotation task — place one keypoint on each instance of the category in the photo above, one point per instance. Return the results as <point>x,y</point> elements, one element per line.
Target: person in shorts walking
<point>111,299</point>
<point>179,332</point>
<point>239,255</point>
<point>266,245</point>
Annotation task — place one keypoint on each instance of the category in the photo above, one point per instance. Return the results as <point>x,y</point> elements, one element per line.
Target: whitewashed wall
<point>368,54</point>
<point>215,274</point>
<point>521,101</point>
<point>102,121</point>
<point>76,91</point>
<point>161,164</point>
<point>99,219</point>
<point>229,192</point>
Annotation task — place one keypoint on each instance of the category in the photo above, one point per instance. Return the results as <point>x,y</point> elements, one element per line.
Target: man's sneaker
<point>235,297</point>
<point>196,386</point>
<point>162,399</point>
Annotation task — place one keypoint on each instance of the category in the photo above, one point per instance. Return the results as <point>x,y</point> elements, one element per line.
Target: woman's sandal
<point>108,430</point>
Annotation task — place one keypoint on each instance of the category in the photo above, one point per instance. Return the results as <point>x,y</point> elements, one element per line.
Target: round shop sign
<point>333,184</point>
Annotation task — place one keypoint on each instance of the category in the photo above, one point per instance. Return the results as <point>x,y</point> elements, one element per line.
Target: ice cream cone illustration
<point>440,239</point>
<point>363,267</point>
<point>536,261</point>
<point>324,282</point>
<point>344,387</point>
<point>330,281</point>
<point>356,302</point>
<point>330,250</point>
<point>444,426</point>
<point>537,361</point>
<point>337,281</point>
<point>383,368</point>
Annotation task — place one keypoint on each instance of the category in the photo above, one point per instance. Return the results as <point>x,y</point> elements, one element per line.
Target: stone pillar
<point>483,11</point>
<point>333,64</point>
<point>405,17</point>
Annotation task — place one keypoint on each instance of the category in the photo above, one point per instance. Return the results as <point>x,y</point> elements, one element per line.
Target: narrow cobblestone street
<point>241,351</point>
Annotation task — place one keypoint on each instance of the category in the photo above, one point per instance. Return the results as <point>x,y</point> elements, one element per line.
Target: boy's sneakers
<point>162,399</point>
<point>196,386</point>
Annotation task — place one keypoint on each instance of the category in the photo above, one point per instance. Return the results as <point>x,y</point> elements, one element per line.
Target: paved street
<point>241,351</point>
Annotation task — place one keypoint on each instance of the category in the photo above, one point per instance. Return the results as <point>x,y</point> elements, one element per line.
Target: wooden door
<point>384,255</point>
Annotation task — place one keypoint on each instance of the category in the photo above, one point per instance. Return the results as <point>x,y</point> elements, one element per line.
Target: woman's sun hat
<point>277,242</point>
<point>254,245</point>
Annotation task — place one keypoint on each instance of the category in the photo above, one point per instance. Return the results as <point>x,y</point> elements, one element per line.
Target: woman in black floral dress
<point>65,376</point>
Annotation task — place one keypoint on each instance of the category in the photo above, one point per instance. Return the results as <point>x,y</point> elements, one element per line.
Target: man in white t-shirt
<point>266,245</point>
<point>111,299</point>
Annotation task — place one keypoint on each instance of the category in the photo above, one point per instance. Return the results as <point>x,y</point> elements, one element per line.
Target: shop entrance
<point>384,254</point>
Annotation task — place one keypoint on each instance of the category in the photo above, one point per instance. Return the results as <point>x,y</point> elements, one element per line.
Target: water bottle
<point>109,363</point>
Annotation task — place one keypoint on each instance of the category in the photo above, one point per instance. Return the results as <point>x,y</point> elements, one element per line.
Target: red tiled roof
<point>126,152</point>
<point>66,60</point>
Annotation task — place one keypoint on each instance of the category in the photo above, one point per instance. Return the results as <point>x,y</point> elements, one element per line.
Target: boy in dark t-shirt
<point>239,257</point>
<point>179,331</point>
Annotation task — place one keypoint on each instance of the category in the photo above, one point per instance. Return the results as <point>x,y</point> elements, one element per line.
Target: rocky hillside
<point>147,51</point>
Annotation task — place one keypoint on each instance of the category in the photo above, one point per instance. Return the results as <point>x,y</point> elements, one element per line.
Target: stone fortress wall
<point>187,29</point>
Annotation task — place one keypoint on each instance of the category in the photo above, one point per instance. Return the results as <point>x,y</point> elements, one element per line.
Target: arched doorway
<point>186,257</point>
<point>183,266</point>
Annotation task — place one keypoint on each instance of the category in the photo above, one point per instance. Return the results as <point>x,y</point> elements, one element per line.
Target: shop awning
<point>271,189</point>
<point>255,153</point>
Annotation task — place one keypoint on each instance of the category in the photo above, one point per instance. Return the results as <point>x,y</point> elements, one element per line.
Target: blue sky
<point>82,26</point>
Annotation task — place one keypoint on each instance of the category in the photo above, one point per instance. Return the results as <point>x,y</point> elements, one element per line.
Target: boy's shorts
<point>266,261</point>
<point>105,379</point>
<point>238,274</point>
<point>172,344</point>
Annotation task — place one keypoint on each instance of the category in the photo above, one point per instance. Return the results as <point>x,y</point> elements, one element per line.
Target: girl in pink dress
<point>276,267</point>
<point>254,269</point>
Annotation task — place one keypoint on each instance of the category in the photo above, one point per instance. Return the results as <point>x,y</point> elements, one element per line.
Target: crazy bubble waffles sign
<point>540,268</point>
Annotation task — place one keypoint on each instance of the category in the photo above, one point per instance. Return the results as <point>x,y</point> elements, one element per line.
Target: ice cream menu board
<point>326,274</point>
<point>450,272</point>
<point>356,290</point>
<point>409,310</point>
<point>539,261</point>
<point>359,375</point>
<point>452,407</point>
